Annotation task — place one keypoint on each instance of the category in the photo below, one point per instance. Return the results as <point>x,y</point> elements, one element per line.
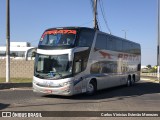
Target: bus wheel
<point>133,80</point>
<point>129,82</point>
<point>91,88</point>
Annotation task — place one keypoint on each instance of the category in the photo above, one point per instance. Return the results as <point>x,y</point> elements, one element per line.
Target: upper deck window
<point>58,38</point>
<point>85,38</point>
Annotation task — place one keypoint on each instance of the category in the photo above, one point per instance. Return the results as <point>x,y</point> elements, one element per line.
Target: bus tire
<point>129,82</point>
<point>133,80</point>
<point>91,88</point>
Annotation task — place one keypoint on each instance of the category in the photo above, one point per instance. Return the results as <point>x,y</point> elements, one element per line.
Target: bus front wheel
<point>91,88</point>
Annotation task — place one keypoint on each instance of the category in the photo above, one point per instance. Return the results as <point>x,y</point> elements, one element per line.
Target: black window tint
<point>132,48</point>
<point>118,45</point>
<point>111,43</point>
<point>137,49</point>
<point>104,67</point>
<point>86,38</point>
<point>125,46</point>
<point>101,41</point>
<point>129,47</point>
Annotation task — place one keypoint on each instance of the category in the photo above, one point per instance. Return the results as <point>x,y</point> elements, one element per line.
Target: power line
<point>103,14</point>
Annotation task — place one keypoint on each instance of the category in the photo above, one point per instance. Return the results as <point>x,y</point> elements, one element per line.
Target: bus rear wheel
<point>129,83</point>
<point>133,80</point>
<point>91,88</point>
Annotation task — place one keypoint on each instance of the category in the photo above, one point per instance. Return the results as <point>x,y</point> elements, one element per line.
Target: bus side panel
<point>114,63</point>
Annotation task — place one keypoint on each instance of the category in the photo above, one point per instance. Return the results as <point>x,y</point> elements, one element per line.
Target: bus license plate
<point>48,91</point>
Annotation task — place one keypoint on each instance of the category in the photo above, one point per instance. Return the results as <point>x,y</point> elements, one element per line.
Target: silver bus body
<point>105,67</point>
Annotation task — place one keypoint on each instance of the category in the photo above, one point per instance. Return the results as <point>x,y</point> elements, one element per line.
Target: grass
<point>17,80</point>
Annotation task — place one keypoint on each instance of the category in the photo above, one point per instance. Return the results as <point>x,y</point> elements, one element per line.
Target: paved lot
<point>144,96</point>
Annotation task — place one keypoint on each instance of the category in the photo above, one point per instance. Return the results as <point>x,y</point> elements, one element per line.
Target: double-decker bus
<point>73,60</point>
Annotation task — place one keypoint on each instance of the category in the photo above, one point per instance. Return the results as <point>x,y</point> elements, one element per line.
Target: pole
<point>125,34</point>
<point>158,41</point>
<point>7,41</point>
<point>95,15</point>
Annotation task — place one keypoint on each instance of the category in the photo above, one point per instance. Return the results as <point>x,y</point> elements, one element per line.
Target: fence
<point>149,74</point>
<point>19,69</point>
<point>23,70</point>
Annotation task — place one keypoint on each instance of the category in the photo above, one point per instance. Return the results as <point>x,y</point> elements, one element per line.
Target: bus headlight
<point>65,84</point>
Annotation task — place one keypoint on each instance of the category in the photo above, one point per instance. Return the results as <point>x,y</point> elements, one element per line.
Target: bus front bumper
<point>66,90</point>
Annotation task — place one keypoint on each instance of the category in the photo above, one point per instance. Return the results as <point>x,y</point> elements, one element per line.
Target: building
<point>17,50</point>
<point>20,44</point>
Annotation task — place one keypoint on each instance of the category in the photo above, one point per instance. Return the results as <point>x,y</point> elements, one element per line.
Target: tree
<point>149,66</point>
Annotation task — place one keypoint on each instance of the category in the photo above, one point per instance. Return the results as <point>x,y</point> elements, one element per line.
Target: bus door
<point>79,67</point>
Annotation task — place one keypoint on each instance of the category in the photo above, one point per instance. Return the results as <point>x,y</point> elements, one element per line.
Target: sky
<point>29,19</point>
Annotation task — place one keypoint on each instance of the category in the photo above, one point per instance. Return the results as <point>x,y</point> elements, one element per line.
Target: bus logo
<point>105,54</point>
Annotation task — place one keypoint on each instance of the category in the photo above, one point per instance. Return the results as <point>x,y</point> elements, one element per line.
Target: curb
<point>14,85</point>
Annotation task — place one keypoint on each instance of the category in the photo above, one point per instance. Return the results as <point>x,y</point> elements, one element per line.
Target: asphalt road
<point>143,96</point>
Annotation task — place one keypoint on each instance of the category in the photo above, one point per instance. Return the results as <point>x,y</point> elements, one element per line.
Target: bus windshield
<point>52,66</point>
<point>58,38</point>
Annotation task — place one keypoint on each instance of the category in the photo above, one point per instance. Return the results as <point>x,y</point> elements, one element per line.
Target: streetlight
<point>125,33</point>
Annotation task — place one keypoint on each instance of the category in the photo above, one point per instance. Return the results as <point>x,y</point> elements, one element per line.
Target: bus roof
<point>120,38</point>
<point>79,28</point>
<point>61,28</point>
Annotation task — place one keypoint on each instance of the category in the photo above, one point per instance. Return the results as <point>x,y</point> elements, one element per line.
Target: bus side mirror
<point>33,54</point>
<point>32,51</point>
